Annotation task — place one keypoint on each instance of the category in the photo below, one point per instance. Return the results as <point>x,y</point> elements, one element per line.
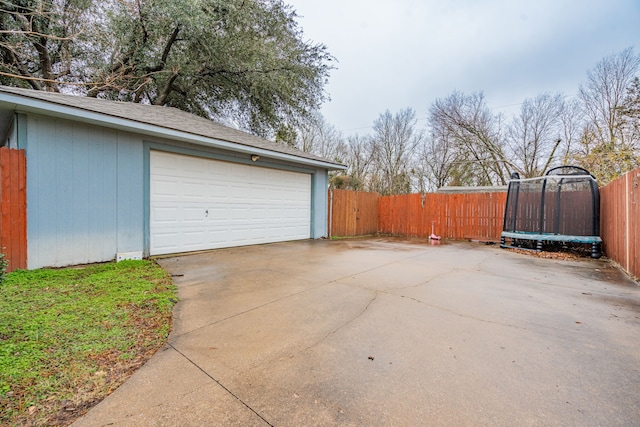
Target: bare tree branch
<point>37,34</point>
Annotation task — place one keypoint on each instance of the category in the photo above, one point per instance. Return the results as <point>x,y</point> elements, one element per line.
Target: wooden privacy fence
<point>480,216</point>
<point>453,216</point>
<point>352,213</point>
<point>619,218</point>
<point>13,207</point>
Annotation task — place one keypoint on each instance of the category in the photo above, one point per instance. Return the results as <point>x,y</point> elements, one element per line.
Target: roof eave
<point>24,104</point>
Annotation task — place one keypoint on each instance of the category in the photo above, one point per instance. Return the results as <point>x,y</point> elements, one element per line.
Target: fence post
<point>330,231</point>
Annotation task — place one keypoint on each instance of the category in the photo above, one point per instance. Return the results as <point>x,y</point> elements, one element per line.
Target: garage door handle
<point>206,213</point>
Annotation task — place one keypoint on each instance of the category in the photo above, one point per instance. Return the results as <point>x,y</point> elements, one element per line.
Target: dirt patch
<point>564,256</point>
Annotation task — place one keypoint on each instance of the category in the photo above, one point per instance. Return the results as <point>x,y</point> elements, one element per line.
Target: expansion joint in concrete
<point>231,393</point>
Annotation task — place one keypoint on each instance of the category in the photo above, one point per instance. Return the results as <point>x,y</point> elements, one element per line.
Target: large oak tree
<point>245,62</point>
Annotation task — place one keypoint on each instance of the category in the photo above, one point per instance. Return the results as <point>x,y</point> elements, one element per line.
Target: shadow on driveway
<point>389,332</point>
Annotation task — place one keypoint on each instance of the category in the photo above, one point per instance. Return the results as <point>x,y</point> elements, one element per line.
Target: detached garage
<point>109,180</point>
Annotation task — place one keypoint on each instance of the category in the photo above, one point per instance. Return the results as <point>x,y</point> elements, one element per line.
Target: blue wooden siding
<point>11,140</point>
<point>319,207</point>
<point>85,190</point>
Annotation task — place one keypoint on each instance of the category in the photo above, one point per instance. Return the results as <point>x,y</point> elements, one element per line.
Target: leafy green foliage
<point>606,161</point>
<point>242,61</point>
<point>62,330</point>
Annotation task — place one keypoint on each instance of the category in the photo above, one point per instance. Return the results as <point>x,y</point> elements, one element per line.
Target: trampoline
<point>560,208</point>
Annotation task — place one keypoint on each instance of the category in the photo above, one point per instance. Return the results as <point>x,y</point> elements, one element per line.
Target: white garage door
<point>198,204</point>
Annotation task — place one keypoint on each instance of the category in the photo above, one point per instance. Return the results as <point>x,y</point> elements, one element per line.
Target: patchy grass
<point>69,337</point>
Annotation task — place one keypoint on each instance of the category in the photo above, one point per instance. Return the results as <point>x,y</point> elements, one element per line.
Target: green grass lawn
<point>69,337</point>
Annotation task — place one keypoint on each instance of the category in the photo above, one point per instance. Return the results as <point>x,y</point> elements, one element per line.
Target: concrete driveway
<point>389,332</point>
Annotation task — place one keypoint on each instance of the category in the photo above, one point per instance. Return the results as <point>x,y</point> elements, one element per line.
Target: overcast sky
<point>406,53</point>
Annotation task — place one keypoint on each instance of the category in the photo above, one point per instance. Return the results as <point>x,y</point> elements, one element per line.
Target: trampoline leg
<point>595,250</point>
<point>539,245</point>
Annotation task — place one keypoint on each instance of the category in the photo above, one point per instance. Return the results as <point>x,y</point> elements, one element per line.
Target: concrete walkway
<point>389,332</point>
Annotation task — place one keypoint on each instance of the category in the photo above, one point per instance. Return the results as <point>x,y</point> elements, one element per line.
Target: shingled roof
<point>166,118</point>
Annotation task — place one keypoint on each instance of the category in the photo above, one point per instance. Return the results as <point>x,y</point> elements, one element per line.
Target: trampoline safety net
<point>561,206</point>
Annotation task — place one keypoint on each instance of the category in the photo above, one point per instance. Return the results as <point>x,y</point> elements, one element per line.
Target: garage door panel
<point>192,239</point>
<point>164,188</point>
<point>166,242</point>
<point>198,204</point>
<point>165,214</point>
<point>218,213</point>
<point>193,190</point>
<point>194,215</point>
<point>239,193</point>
